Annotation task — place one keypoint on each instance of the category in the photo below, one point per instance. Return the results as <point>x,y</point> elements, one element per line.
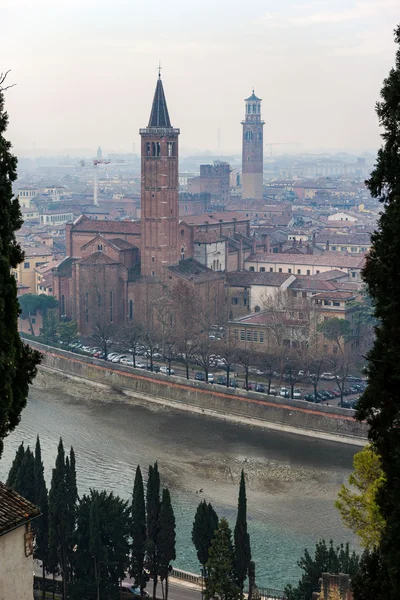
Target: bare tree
<point>186,323</point>
<point>246,357</point>
<point>228,350</point>
<point>131,336</point>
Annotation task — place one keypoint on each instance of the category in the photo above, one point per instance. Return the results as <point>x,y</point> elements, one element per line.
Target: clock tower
<point>252,150</point>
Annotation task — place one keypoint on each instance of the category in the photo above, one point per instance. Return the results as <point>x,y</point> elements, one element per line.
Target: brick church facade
<point>114,271</point>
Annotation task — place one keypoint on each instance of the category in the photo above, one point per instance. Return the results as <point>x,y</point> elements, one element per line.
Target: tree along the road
<point>18,361</point>
<point>242,538</point>
<point>101,556</point>
<point>153,525</point>
<point>220,583</point>
<point>16,464</point>
<point>138,534</point>
<point>60,517</point>
<point>40,526</point>
<point>67,332</point>
<point>203,532</point>
<point>166,539</point>
<point>131,337</point>
<point>327,559</point>
<point>50,325</point>
<point>380,403</point>
<point>358,504</point>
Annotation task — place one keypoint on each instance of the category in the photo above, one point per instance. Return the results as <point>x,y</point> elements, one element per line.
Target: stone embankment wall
<point>198,395</point>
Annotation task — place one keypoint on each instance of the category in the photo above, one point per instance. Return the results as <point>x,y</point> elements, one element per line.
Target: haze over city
<point>85,71</point>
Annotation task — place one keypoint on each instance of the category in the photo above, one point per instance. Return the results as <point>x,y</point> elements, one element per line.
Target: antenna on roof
<point>159,69</point>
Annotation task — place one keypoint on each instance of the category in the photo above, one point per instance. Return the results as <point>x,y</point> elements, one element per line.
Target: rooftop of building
<point>252,98</point>
<point>82,223</point>
<point>214,218</point>
<point>335,295</point>
<point>270,318</point>
<point>194,271</point>
<point>32,251</point>
<point>247,278</point>
<point>14,510</point>
<point>97,258</point>
<point>335,259</point>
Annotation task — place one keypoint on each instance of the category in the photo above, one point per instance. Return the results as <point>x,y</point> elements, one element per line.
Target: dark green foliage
<point>18,362</point>
<point>33,303</point>
<point>327,559</point>
<point>138,533</point>
<point>242,538</point>
<point>220,582</point>
<point>40,526</point>
<point>380,404</point>
<point>204,527</point>
<point>50,325</point>
<point>25,480</point>
<point>153,514</point>
<point>67,331</point>
<point>166,538</point>
<point>59,516</point>
<point>102,546</point>
<point>371,581</point>
<point>16,465</point>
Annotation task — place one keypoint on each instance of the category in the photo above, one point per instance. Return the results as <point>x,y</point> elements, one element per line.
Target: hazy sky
<point>86,69</point>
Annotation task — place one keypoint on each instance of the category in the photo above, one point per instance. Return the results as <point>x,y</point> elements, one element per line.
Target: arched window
<point>170,149</point>
<point>158,148</point>
<point>153,148</point>
<point>256,309</point>
<point>248,136</point>
<point>259,136</point>
<point>254,108</point>
<point>183,253</point>
<point>148,149</point>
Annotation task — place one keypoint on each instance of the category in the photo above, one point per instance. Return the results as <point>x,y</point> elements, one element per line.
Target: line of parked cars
<point>324,395</point>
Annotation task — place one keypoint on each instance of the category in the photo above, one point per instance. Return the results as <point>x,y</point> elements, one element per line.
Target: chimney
<point>220,227</point>
<point>254,244</point>
<point>234,224</point>
<point>206,223</point>
<point>267,246</point>
<point>301,242</point>
<point>327,244</point>
<point>313,238</point>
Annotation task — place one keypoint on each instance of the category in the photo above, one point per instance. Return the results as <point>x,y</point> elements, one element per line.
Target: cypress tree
<point>18,361</point>
<point>12,475</point>
<point>220,582</point>
<point>242,538</point>
<point>204,527</point>
<point>153,515</point>
<point>40,525</point>
<point>96,549</point>
<point>138,533</point>
<point>25,479</point>
<point>59,517</point>
<point>166,538</point>
<point>72,499</point>
<point>380,403</point>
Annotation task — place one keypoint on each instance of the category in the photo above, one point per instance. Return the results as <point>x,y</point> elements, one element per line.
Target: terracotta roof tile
<point>14,509</point>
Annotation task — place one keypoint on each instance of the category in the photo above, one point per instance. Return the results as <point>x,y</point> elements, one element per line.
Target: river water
<point>292,481</point>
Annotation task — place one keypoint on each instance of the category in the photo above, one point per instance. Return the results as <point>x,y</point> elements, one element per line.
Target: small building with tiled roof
<point>16,545</point>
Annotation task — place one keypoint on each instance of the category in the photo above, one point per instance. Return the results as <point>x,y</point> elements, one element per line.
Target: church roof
<point>252,98</point>
<point>97,258</point>
<point>159,116</point>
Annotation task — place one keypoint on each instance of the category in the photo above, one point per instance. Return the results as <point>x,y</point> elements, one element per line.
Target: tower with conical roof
<point>252,149</point>
<point>159,189</point>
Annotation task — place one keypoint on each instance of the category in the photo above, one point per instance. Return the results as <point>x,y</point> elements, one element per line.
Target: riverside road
<point>292,480</point>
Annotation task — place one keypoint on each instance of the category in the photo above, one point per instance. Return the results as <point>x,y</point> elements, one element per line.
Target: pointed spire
<point>159,116</point>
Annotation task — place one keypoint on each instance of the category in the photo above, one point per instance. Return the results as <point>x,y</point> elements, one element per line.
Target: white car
<point>126,361</point>
<point>111,355</point>
<point>284,392</point>
<point>166,371</point>
<point>297,394</point>
<point>118,358</point>
<point>210,378</point>
<point>140,365</point>
<point>328,376</point>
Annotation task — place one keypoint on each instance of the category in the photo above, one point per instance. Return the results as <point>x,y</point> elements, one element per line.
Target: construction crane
<point>96,162</point>
<point>270,144</point>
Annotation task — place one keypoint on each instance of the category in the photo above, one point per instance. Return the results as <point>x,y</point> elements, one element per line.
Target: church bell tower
<point>159,189</point>
<point>252,150</point>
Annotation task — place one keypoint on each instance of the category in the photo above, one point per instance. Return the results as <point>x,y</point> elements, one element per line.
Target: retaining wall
<point>196,394</point>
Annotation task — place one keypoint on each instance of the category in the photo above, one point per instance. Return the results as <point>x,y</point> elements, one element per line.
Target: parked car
<point>111,355</point>
<point>140,365</point>
<point>272,390</point>
<point>233,383</point>
<point>345,404</point>
<point>309,398</point>
<point>155,369</point>
<point>353,378</point>
<point>297,394</point>
<point>210,378</point>
<point>128,590</point>
<point>328,376</point>
<point>118,358</point>
<point>249,386</point>
<point>260,388</point>
<point>200,376</point>
<point>221,380</point>
<point>166,371</point>
<point>126,361</point>
<point>284,392</point>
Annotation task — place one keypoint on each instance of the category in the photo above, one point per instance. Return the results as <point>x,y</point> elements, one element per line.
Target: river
<point>292,481</point>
